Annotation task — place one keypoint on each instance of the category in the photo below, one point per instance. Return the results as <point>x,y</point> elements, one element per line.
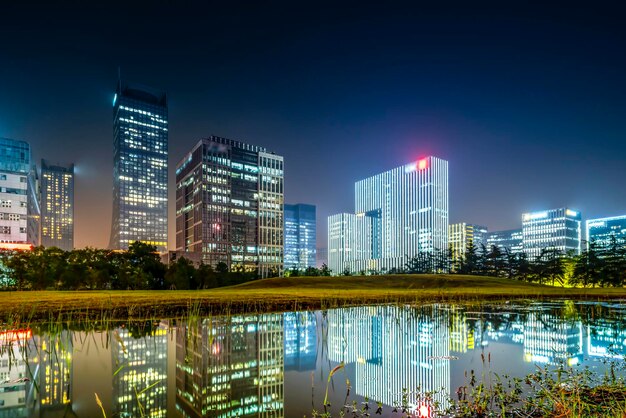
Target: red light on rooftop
<point>7,337</point>
<point>422,164</point>
<point>424,411</point>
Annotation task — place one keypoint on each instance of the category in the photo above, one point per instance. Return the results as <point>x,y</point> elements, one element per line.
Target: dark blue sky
<point>527,103</point>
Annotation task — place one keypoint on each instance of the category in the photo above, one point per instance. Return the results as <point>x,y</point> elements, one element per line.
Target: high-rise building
<point>57,205</point>
<point>508,240</point>
<point>602,230</point>
<point>399,214</point>
<point>19,207</point>
<point>140,138</point>
<point>229,205</point>
<point>462,235</point>
<point>300,236</point>
<point>555,229</point>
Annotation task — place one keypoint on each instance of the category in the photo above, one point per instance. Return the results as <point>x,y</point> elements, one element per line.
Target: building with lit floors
<point>230,367</point>
<point>19,205</point>
<point>300,236</point>
<point>300,340</point>
<point>602,231</point>
<point>57,205</point>
<point>463,235</point>
<point>398,214</point>
<point>508,240</point>
<point>140,139</point>
<point>139,357</point>
<point>555,229</point>
<point>229,205</point>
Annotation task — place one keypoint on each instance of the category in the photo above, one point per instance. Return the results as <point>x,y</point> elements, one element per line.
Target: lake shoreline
<point>283,294</point>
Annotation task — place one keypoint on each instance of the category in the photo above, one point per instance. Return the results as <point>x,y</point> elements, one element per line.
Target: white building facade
<point>399,213</point>
<point>555,229</point>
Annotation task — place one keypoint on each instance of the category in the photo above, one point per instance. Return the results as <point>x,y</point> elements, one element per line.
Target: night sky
<point>527,104</point>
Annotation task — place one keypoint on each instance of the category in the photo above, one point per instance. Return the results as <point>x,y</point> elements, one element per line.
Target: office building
<point>399,214</point>
<point>508,240</point>
<point>19,206</point>
<point>57,205</point>
<point>300,236</point>
<point>140,138</point>
<point>229,205</point>
<point>602,230</point>
<point>230,366</point>
<point>556,229</point>
<point>463,235</point>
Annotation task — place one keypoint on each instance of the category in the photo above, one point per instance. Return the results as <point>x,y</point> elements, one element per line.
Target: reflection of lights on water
<point>215,349</point>
<point>424,411</point>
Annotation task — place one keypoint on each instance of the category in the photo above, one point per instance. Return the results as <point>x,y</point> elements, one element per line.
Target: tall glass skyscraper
<point>140,137</point>
<point>602,230</point>
<point>300,236</point>
<point>399,213</point>
<point>19,205</point>
<point>229,205</point>
<point>555,229</point>
<point>57,205</point>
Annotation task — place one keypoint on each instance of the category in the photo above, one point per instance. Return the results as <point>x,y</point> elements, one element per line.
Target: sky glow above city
<point>527,103</point>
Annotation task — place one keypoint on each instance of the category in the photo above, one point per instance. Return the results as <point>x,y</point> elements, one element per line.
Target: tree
<point>180,275</point>
<point>325,271</point>
<point>146,258</point>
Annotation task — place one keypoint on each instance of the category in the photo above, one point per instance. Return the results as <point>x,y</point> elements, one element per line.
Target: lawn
<point>283,294</point>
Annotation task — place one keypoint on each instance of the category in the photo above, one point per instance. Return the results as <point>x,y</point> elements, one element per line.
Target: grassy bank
<point>283,294</point>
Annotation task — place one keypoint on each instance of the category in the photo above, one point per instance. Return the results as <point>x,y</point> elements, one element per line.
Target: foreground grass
<point>284,294</point>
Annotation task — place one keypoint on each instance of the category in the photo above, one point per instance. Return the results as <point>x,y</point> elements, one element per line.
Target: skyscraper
<point>300,236</point>
<point>140,138</point>
<point>602,230</point>
<point>555,229</point>
<point>19,207</point>
<point>57,205</point>
<point>229,205</point>
<point>404,212</point>
<point>462,235</point>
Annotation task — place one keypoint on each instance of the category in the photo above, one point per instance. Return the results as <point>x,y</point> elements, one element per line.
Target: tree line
<point>599,265</point>
<point>138,268</point>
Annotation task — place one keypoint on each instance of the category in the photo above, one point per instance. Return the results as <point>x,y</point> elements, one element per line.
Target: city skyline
<point>548,114</point>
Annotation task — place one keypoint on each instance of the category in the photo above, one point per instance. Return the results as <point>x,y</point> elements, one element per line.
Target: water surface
<point>277,365</point>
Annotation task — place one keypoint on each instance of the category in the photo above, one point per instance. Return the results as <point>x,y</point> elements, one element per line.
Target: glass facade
<point>229,205</point>
<point>140,133</point>
<point>555,229</point>
<point>601,230</point>
<point>300,236</point>
<point>462,235</point>
<point>57,205</point>
<point>511,240</point>
<point>19,206</point>
<point>399,214</point>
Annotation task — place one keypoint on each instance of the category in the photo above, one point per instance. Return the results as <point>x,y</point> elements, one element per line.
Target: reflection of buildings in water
<point>140,371</point>
<point>465,333</point>
<point>606,338</point>
<point>300,340</point>
<point>52,366</point>
<point>231,367</point>
<point>15,380</point>
<point>394,349</point>
<point>549,339</point>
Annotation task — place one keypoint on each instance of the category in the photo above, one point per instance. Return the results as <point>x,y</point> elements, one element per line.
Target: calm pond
<point>277,365</point>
